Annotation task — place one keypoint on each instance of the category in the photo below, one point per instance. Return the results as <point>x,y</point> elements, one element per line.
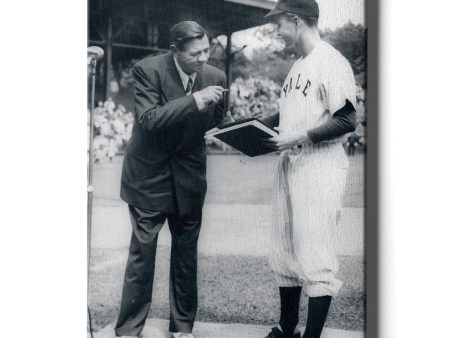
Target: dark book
<point>246,135</point>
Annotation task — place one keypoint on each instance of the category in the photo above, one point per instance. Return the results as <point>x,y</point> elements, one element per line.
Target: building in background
<point>129,30</point>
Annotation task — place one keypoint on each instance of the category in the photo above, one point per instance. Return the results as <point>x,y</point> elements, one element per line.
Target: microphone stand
<point>90,188</point>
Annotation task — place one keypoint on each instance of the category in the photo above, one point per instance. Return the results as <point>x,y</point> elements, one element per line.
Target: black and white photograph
<point>224,168</point>
<point>227,144</point>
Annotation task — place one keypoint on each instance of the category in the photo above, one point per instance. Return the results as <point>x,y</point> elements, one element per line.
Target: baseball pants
<point>308,190</point>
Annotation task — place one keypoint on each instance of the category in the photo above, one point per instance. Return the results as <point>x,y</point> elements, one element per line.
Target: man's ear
<point>297,21</point>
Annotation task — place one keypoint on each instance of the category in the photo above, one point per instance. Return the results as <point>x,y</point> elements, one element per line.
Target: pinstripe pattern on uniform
<point>308,190</point>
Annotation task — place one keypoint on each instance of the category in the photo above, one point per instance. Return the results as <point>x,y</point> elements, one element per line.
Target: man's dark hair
<point>185,31</point>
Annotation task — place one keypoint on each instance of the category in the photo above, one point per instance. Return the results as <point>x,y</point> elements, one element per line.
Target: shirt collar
<point>184,77</point>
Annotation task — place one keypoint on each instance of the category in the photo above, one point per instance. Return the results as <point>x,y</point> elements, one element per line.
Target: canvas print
<point>227,142</point>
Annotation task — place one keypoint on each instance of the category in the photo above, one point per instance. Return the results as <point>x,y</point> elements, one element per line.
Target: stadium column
<point>228,61</point>
<point>108,60</point>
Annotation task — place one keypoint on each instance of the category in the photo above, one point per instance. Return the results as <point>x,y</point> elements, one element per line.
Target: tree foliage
<point>351,41</point>
<point>275,63</point>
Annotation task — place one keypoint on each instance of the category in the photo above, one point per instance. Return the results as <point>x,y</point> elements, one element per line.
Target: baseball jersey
<point>315,88</point>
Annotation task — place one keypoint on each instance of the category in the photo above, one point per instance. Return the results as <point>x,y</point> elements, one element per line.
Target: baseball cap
<point>308,8</point>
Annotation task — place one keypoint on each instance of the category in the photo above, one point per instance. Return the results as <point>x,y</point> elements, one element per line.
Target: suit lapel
<point>198,83</point>
<point>172,86</point>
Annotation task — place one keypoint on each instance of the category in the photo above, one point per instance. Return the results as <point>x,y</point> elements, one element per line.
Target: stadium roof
<point>266,4</point>
<point>134,28</point>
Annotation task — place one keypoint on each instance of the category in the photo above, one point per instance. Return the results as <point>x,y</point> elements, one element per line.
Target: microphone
<point>95,53</point>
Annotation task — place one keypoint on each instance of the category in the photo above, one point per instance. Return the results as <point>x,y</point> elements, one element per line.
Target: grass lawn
<point>232,289</point>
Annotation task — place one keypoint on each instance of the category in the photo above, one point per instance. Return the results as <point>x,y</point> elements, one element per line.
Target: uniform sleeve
<point>338,84</point>
<point>149,111</point>
<point>342,122</point>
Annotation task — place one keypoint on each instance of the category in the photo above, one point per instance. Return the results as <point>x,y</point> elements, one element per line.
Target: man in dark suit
<point>178,97</point>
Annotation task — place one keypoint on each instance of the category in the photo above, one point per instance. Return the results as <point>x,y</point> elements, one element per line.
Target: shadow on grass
<point>232,289</point>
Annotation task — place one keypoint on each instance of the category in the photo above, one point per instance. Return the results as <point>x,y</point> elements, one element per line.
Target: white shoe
<point>182,335</point>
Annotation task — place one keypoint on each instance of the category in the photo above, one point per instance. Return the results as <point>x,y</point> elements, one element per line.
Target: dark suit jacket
<point>165,161</point>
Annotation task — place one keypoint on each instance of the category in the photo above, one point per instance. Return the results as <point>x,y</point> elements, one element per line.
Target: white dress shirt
<point>185,79</point>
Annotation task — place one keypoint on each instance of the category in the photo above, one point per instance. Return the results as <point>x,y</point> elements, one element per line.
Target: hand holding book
<point>284,141</point>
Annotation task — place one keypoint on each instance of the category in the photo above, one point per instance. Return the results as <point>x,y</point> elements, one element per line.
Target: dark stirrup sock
<point>317,314</point>
<point>290,303</point>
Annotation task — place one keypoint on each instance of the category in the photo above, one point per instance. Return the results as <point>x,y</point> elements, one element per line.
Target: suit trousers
<point>139,273</point>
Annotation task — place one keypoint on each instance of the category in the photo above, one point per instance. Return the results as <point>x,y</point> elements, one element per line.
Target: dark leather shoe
<point>276,333</point>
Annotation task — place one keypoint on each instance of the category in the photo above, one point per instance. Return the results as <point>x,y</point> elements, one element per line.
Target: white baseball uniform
<point>310,181</point>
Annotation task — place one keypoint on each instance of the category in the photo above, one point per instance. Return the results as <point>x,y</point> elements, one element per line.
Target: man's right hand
<point>211,94</point>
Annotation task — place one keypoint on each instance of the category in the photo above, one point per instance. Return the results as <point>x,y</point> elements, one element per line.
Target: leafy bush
<point>113,123</point>
<point>261,90</point>
<point>112,129</point>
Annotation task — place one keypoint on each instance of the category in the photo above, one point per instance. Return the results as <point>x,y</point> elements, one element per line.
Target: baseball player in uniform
<point>317,103</point>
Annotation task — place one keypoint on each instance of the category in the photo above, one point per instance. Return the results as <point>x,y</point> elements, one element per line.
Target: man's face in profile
<point>286,29</point>
<point>194,55</point>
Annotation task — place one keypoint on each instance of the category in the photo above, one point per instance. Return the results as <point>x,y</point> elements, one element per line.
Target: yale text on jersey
<point>299,85</point>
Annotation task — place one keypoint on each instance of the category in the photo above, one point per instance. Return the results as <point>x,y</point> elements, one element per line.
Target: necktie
<point>189,86</point>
